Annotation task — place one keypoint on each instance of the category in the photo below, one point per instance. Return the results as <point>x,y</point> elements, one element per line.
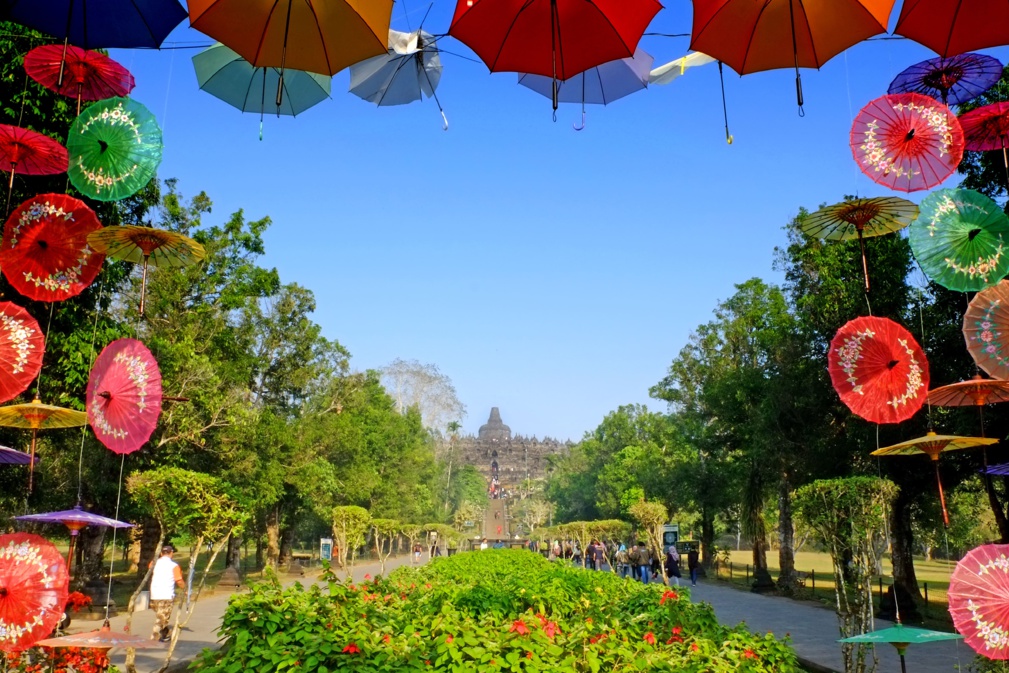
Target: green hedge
<point>507,610</point>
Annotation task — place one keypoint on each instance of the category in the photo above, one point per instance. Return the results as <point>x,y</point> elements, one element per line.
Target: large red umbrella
<point>22,345</point>
<point>45,253</point>
<point>755,36</point>
<point>950,27</point>
<point>554,38</point>
<point>907,141</point>
<point>979,600</point>
<point>878,369</point>
<point>87,75</point>
<point>986,129</point>
<point>33,590</point>
<point>124,395</point>
<point>29,153</point>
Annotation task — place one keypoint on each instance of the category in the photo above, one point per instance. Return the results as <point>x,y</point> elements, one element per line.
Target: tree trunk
<point>233,558</point>
<point>903,546</point>
<point>786,536</point>
<point>133,557</point>
<point>260,553</point>
<point>286,544</point>
<point>273,539</point>
<point>150,540</point>
<point>707,537</point>
<point>91,545</point>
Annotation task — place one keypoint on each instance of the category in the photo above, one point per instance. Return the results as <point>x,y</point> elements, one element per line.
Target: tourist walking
<point>167,575</point>
<point>598,553</point>
<point>643,562</point>
<point>623,564</point>
<point>693,563</point>
<point>673,565</point>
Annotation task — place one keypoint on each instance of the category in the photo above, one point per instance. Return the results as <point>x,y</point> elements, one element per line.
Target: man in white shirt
<point>166,576</point>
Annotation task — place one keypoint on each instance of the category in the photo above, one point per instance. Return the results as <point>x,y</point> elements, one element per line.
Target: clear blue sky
<point>551,273</point>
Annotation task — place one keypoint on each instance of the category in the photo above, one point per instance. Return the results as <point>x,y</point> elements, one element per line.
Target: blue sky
<point>552,273</point>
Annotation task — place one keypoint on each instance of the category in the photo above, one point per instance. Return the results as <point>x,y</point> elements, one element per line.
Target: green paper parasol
<point>115,149</point>
<point>959,240</point>
<point>900,637</point>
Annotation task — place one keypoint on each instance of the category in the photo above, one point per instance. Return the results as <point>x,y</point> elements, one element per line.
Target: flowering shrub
<point>507,610</point>
<point>76,600</point>
<point>60,660</point>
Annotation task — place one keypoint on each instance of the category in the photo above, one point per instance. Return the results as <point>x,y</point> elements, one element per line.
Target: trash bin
<point>143,601</point>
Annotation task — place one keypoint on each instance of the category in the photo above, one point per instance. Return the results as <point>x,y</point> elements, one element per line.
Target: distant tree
<point>651,517</point>
<point>350,524</point>
<point>423,387</point>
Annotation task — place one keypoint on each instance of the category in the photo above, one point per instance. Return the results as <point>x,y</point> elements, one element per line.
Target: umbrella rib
<point>511,26</point>
<point>949,36</point>
<point>248,89</point>
<point>266,26</point>
<point>318,28</point>
<point>144,20</point>
<point>753,32</point>
<point>392,78</point>
<point>809,32</point>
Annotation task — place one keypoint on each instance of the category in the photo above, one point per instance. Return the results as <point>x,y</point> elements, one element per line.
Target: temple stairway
<point>491,524</point>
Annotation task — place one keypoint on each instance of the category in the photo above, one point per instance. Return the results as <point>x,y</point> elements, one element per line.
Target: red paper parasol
<point>878,369</point>
<point>102,639</point>
<point>29,153</point>
<point>87,75</point>
<point>22,345</point>
<point>907,141</point>
<point>979,600</point>
<point>986,129</point>
<point>124,395</point>
<point>33,590</point>
<point>45,253</point>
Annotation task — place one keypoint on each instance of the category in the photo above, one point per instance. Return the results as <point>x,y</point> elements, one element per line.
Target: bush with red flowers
<point>76,600</point>
<point>60,660</point>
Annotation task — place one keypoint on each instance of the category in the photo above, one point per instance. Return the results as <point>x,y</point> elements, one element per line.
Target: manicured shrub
<point>507,610</point>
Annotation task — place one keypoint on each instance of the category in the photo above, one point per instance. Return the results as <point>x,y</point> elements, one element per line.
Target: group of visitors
<point>638,562</point>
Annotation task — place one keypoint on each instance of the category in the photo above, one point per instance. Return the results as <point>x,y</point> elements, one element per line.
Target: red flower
<point>449,639</point>
<point>677,630</point>
<point>351,649</point>
<point>386,638</point>
<point>650,638</point>
<point>749,654</point>
<point>519,627</point>
<point>551,629</point>
<point>367,577</point>
<point>693,647</point>
<point>529,655</point>
<point>77,600</point>
<point>669,595</point>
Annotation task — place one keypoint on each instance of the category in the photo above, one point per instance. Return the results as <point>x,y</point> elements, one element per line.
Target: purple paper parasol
<point>952,80</point>
<point>9,456</point>
<point>75,519</point>
<point>1001,470</point>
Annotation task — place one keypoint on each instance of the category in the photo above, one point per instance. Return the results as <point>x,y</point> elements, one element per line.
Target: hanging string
<point>84,428</point>
<point>921,319</point>
<point>119,494</point>
<point>168,89</point>
<point>851,117</point>
<point>45,343</point>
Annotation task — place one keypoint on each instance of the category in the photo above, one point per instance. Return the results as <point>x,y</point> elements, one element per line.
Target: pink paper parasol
<point>124,395</point>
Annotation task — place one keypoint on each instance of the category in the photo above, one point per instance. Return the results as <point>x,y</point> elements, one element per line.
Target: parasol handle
<point>10,190</point>
<point>70,552</point>
<point>865,265</point>
<point>143,281</point>
<point>725,109</point>
<point>795,53</point>
<point>942,496</point>
<point>1005,162</point>
<point>283,58</point>
<point>576,127</point>
<point>31,465</point>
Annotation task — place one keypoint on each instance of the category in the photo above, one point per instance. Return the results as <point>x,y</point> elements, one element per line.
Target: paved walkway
<point>201,632</point>
<point>814,630</point>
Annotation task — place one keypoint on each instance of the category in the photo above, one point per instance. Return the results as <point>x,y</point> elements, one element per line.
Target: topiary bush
<point>507,610</point>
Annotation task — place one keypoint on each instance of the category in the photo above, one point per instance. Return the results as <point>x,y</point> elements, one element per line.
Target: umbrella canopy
<point>666,73</point>
<point>932,445</point>
<point>1001,470</point>
<point>901,637</point>
<point>979,600</point>
<point>33,590</point>
<point>600,85</point>
<point>45,253</point>
<point>878,369</point>
<point>986,129</point>
<point>959,239</point>
<point>100,25</point>
<point>224,74</point>
<point>102,639</point>
<point>861,219</point>
<point>22,345</point>
<point>9,456</point>
<point>36,416</point>
<point>74,519</point>
<point>86,75</point>
<point>29,153</point>
<point>976,392</point>
<point>309,35</point>
<point>755,36</point>
<point>124,395</point>
<point>115,149</point>
<point>952,80</point>
<point>147,246</point>
<point>411,68</point>
<point>985,326</point>
<point>950,27</point>
<point>553,38</point>
<point>907,141</point>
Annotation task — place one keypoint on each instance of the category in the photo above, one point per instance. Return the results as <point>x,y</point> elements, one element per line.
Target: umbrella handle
<point>444,121</point>
<point>576,127</point>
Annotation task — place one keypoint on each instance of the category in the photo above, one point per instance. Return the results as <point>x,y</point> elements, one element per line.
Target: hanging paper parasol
<point>33,590</point>
<point>959,239</point>
<point>307,35</point>
<point>597,86</point>
<point>36,416</point>
<point>986,129</point>
<point>22,345</point>
<point>901,637</point>
<point>147,246</point>
<point>102,639</point>
<point>932,445</point>
<point>878,369</point>
<point>861,219</point>
<point>75,520</point>
<point>115,149</point>
<point>979,600</point>
<point>9,456</point>
<point>124,395</point>
<point>411,68</point>
<point>553,38</point>
<point>45,253</point>
<point>907,141</point>
<point>950,27</point>
<point>976,392</point>
<point>984,329</point>
<point>755,36</point>
<point>28,153</point>
<point>952,80</point>
<point>87,75</point>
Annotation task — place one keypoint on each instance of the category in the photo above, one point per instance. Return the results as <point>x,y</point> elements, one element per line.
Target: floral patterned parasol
<point>986,329</point>
<point>124,395</point>
<point>33,590</point>
<point>21,348</point>
<point>979,600</point>
<point>878,369</point>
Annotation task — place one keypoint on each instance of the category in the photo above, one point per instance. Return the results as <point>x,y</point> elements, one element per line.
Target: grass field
<point>933,579</point>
